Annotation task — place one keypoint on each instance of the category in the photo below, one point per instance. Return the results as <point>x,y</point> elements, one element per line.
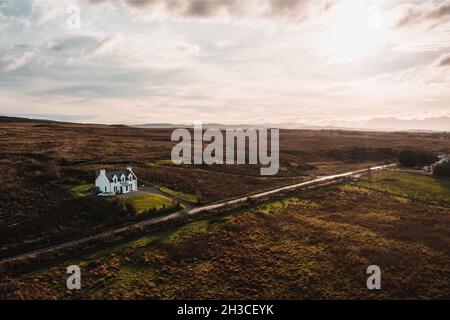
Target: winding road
<point>124,230</point>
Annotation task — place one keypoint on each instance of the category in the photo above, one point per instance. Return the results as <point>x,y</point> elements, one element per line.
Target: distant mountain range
<point>378,124</point>
<point>428,124</point>
<point>204,126</point>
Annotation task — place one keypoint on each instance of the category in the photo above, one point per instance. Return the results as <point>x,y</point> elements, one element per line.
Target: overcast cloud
<point>142,61</point>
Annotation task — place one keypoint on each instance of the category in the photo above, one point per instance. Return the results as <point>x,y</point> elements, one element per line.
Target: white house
<point>116,182</point>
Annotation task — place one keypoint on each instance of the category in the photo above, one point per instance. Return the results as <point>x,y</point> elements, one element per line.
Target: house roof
<point>111,173</point>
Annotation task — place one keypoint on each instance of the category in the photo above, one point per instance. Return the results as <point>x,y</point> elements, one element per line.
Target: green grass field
<point>180,195</point>
<point>78,190</point>
<point>410,185</point>
<point>146,202</point>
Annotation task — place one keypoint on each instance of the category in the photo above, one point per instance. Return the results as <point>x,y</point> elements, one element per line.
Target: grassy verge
<point>78,190</point>
<point>180,195</point>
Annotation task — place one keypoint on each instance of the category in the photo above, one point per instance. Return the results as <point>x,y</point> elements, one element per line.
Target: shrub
<point>131,209</point>
<point>416,158</point>
<point>176,204</point>
<point>45,169</point>
<point>442,169</point>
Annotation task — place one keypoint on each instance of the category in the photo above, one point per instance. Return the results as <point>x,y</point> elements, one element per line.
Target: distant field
<point>312,244</point>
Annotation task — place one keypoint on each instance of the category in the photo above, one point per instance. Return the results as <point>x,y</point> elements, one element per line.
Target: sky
<point>317,62</point>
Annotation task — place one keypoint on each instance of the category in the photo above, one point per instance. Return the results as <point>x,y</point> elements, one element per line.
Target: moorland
<point>49,169</point>
<point>307,244</point>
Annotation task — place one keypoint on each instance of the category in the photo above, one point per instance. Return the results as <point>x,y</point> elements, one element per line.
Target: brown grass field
<point>311,246</point>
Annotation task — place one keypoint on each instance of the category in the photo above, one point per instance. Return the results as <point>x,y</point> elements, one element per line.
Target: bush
<point>415,158</point>
<point>442,169</point>
<point>131,209</point>
<point>45,169</point>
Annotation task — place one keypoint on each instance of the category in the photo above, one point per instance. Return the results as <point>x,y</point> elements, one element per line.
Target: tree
<point>442,169</point>
<point>416,158</point>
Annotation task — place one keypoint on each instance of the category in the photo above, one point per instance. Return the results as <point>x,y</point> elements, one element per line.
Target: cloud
<point>206,9</point>
<point>15,63</point>
<point>104,46</point>
<point>257,60</point>
<point>444,60</point>
<point>431,13</point>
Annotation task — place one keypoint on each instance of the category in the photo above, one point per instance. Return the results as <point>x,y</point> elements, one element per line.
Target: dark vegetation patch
<point>361,154</point>
<point>417,158</point>
<point>442,169</point>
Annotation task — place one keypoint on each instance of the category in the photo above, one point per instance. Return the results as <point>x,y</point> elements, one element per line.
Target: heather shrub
<point>416,158</point>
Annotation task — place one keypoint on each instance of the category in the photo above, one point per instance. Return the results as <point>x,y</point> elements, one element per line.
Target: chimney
<point>103,172</point>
